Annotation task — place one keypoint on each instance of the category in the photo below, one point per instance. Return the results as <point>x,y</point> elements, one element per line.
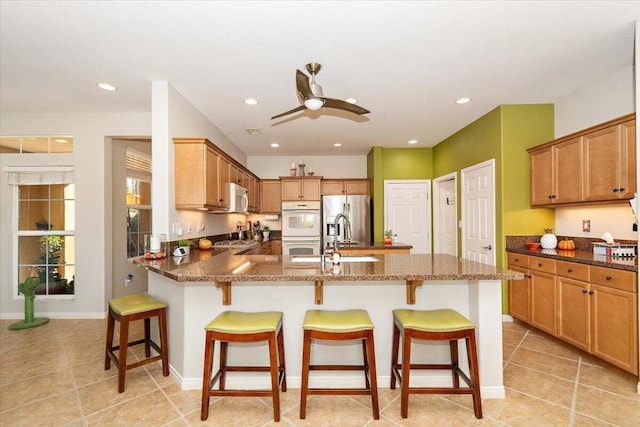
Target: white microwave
<point>238,199</point>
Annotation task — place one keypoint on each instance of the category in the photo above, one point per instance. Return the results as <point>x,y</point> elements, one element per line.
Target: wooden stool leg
<point>122,352</point>
<point>162,325</point>
<point>224,346</point>
<point>306,357</point>
<point>406,368</point>
<point>371,359</point>
<point>281,358</point>
<point>273,363</point>
<point>209,347</point>
<point>365,364</point>
<point>453,346</point>
<point>147,337</point>
<point>394,354</point>
<point>472,355</point>
<point>109,344</point>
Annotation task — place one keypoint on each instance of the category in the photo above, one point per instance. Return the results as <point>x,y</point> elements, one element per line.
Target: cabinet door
<point>541,177</point>
<point>310,189</point>
<point>271,197</point>
<point>614,335</point>
<point>190,175</point>
<point>573,312</point>
<point>567,171</point>
<point>356,186</point>
<point>332,187</point>
<point>519,295</point>
<point>212,187</point>
<point>223,182</point>
<point>627,185</point>
<point>543,301</point>
<point>290,189</point>
<point>601,154</point>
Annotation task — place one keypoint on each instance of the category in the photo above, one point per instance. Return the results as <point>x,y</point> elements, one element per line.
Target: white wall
<point>604,100</point>
<point>93,244</point>
<point>325,166</point>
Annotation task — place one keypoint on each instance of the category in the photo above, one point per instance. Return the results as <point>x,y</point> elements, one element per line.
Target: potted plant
<point>266,231</point>
<point>186,244</point>
<point>388,237</point>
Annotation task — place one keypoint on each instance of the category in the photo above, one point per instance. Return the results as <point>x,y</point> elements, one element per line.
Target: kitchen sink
<point>342,259</point>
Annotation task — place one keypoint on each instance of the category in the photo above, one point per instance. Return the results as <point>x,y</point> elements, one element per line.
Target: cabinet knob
<point>569,270</point>
<point>539,264</point>
<point>527,276</point>
<point>621,189</point>
<point>590,292</point>
<point>584,291</point>
<point>608,277</point>
<point>221,200</point>
<point>615,190</point>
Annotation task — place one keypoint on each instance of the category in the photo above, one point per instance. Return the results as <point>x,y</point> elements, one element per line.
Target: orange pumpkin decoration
<point>566,244</point>
<point>205,244</point>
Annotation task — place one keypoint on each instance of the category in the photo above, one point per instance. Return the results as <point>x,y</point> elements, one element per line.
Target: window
<point>36,144</point>
<point>45,228</point>
<point>138,201</point>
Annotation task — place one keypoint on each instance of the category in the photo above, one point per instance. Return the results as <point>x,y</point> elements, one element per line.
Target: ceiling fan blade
<point>302,84</point>
<point>343,105</point>
<point>298,108</point>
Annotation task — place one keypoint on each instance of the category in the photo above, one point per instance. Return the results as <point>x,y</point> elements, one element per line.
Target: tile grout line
<point>508,362</point>
<point>574,399</point>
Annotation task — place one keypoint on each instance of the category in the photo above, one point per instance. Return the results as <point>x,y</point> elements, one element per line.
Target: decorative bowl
<point>533,245</point>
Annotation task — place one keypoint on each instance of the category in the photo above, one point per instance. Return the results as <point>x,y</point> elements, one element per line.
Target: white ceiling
<point>407,62</point>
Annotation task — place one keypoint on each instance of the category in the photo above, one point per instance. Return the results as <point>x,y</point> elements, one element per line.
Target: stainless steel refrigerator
<point>357,209</point>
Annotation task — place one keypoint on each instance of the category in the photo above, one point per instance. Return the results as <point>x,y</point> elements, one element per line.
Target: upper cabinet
<point>300,188</point>
<point>203,173</point>
<point>271,196</point>
<point>597,165</point>
<point>345,186</point>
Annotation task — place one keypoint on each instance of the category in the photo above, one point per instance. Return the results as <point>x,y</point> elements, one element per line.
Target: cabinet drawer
<point>542,264</point>
<point>618,279</point>
<point>572,270</point>
<point>519,260</point>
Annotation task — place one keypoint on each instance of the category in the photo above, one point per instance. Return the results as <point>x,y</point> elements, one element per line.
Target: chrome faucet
<point>347,230</point>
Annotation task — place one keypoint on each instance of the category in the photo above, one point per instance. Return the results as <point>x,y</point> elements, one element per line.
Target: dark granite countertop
<point>581,257</point>
<point>231,266</point>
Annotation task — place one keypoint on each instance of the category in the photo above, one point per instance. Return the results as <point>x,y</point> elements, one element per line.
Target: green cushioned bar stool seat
<point>242,327</point>
<point>126,310</point>
<point>342,325</point>
<point>434,325</point>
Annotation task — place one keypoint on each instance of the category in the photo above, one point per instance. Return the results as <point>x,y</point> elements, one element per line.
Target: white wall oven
<point>301,228</point>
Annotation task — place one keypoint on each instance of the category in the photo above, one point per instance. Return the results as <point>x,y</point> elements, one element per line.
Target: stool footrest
<point>333,391</point>
<point>397,371</point>
<point>338,367</point>
<point>241,393</point>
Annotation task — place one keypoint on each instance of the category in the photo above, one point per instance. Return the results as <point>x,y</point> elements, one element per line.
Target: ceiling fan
<point>312,96</point>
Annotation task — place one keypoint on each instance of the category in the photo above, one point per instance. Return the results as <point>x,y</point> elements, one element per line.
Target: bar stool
<point>339,326</point>
<point>434,325</point>
<point>125,310</point>
<point>235,326</point>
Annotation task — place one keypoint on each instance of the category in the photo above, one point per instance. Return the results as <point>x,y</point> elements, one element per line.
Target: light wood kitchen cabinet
<point>254,193</point>
<point>610,163</point>
<point>301,188</point>
<point>556,173</point>
<point>271,196</point>
<point>596,307</point>
<point>345,186</point>
<point>519,289</point>
<point>542,288</point>
<point>198,174</point>
<point>596,165</point>
<point>223,181</point>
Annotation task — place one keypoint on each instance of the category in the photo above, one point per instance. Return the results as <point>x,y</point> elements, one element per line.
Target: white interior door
<point>445,215</point>
<point>408,213</point>
<point>478,213</point>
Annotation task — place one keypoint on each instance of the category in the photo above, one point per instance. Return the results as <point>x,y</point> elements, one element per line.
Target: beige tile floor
<point>54,375</point>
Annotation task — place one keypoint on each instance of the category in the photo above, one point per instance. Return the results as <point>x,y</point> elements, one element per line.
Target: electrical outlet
<point>189,228</point>
<point>586,225</point>
<point>128,280</point>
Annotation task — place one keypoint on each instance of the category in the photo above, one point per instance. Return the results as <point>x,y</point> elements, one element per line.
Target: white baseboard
<point>507,318</point>
<point>56,315</point>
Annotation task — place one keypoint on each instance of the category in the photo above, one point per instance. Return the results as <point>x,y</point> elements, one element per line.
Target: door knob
<point>487,247</point>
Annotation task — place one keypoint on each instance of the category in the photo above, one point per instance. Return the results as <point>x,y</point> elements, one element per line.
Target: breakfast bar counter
<point>199,286</point>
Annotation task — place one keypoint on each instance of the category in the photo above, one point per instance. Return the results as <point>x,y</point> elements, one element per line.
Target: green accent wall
<point>394,163</point>
<point>504,134</point>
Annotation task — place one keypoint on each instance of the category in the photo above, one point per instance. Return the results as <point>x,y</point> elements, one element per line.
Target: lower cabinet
<point>593,308</point>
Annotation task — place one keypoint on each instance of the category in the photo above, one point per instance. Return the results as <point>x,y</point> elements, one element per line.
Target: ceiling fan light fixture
<point>313,103</point>
<point>351,100</point>
<point>463,100</point>
<point>251,101</point>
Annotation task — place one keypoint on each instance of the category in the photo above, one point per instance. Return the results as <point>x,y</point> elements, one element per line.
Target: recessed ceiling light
<point>61,141</point>
<point>107,86</point>
<point>351,100</point>
<point>337,144</point>
<point>250,101</point>
<point>463,100</point>
<point>253,131</point>
<point>413,141</point>
<point>275,145</point>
